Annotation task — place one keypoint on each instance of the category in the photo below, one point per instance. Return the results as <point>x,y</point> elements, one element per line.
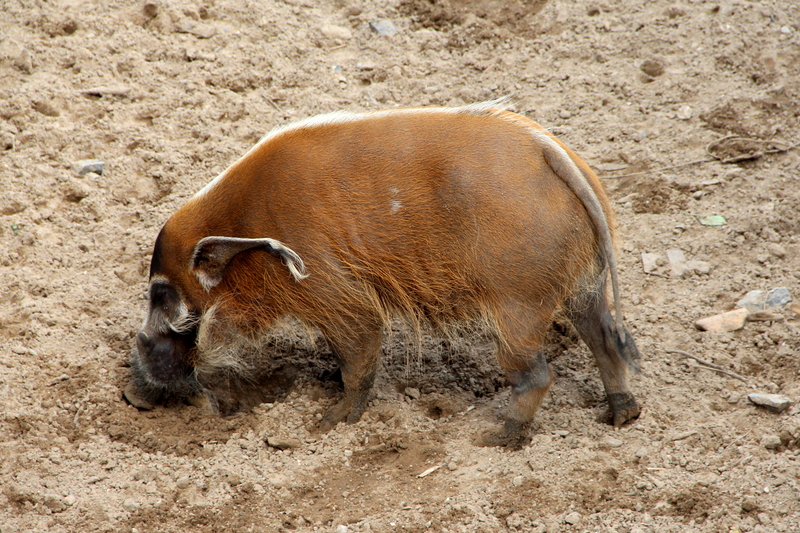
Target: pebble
<point>681,267</point>
<point>685,112</point>
<point>283,443</point>
<point>130,505</point>
<point>610,442</point>
<point>640,453</point>
<point>517,481</point>
<point>55,503</point>
<point>776,249</point>
<point>649,262</point>
<point>572,518</point>
<point>383,27</point>
<point>85,166</point>
<point>70,499</point>
<point>332,31</point>
<point>564,114</point>
<point>758,300</point>
<point>770,441</point>
<point>730,321</point>
<point>652,68</point>
<point>412,393</point>
<point>774,402</point>
<point>184,482</point>
<point>341,528</point>
<point>278,481</point>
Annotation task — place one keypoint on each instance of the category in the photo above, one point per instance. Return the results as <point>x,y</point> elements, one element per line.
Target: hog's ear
<point>213,254</point>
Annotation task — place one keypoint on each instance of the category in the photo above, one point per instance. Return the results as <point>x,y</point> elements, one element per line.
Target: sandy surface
<point>168,93</point>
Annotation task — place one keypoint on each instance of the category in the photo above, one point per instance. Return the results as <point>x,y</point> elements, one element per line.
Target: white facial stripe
<point>342,117</point>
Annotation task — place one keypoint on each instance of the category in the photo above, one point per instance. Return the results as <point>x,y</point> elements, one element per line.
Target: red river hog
<point>439,216</point>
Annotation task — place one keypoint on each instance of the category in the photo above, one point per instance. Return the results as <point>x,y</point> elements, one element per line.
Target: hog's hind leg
<point>615,351</point>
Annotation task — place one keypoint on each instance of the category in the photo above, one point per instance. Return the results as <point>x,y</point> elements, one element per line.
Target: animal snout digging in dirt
<point>438,216</point>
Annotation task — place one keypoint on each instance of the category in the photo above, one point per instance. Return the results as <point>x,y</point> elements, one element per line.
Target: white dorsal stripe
<point>342,117</point>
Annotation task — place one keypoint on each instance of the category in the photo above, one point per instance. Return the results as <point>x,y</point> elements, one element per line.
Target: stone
<point>685,112</point>
<point>331,31</point>
<point>652,68</point>
<point>758,300</point>
<point>564,114</point>
<point>283,443</point>
<point>412,393</point>
<point>85,166</point>
<point>517,481</point>
<point>572,518</point>
<point>776,249</point>
<point>681,267</point>
<point>183,482</point>
<point>341,528</point>
<point>649,262</point>
<point>770,441</point>
<point>55,503</point>
<point>610,442</point>
<point>772,402</point>
<point>383,27</point>
<point>730,321</point>
<point>130,505</point>
<point>778,298</point>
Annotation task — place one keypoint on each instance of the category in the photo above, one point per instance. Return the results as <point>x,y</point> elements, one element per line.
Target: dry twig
<point>735,159</point>
<point>709,366</point>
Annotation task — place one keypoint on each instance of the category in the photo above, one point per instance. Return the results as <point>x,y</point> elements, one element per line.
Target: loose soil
<point>168,93</point>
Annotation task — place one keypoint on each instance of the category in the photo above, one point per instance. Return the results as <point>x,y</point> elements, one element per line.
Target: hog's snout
<point>164,357</point>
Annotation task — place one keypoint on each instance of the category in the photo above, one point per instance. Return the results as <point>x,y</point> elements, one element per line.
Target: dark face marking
<point>165,356</point>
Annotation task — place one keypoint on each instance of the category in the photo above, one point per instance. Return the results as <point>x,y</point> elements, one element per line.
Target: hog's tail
<point>567,169</point>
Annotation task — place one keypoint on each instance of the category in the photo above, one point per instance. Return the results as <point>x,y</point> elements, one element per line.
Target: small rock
<point>55,503</point>
<point>131,394</point>
<point>730,321</point>
<point>278,481</point>
<point>564,114</point>
<point>770,441</point>
<point>341,528</point>
<point>572,518</point>
<point>640,453</point>
<point>198,29</point>
<point>107,90</point>
<point>776,249</point>
<point>412,393</point>
<point>348,453</point>
<point>25,61</point>
<point>749,505</point>
<point>773,402</point>
<point>685,112</point>
<point>283,443</point>
<point>383,27</point>
<point>760,300</point>
<point>130,505</point>
<point>778,298</point>
<point>649,262</point>
<point>184,482</point>
<point>88,165</point>
<point>610,442</point>
<point>677,261</point>
<point>652,68</point>
<point>517,481</point>
<point>332,31</point>
<point>70,499</point>
<point>451,466</point>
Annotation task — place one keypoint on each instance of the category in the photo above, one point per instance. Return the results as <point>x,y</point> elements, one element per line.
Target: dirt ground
<point>168,93</point>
